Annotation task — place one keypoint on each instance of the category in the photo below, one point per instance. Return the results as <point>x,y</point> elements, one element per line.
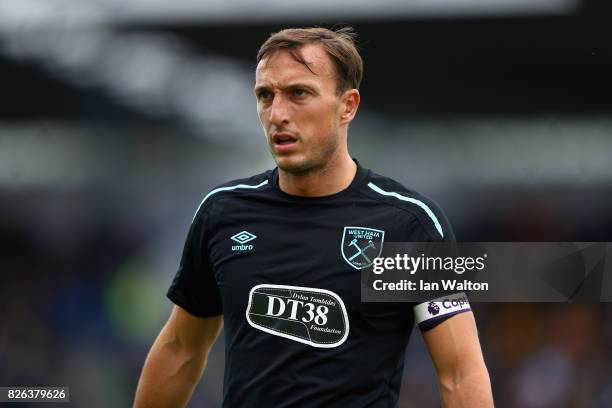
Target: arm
<point>462,374</point>
<point>176,360</point>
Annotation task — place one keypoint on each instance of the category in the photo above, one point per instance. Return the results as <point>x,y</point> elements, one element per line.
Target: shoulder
<point>234,189</point>
<point>389,192</point>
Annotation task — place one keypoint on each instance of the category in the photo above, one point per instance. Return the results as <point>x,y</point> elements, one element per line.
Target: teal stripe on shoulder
<point>228,188</point>
<point>410,200</point>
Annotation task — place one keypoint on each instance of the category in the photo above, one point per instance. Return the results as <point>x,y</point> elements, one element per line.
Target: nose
<point>279,111</point>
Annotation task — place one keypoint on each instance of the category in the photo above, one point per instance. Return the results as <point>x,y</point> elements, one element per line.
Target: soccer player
<point>276,259</point>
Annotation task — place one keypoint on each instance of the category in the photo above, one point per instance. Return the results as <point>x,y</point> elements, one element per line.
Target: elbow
<point>466,388</point>
<point>183,361</point>
<point>455,380</point>
<point>451,383</point>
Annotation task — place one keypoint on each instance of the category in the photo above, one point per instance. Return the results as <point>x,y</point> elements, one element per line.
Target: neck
<point>333,178</point>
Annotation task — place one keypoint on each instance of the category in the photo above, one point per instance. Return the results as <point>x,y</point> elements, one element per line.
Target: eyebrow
<point>294,85</point>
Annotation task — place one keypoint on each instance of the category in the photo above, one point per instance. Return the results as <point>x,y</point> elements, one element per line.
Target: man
<point>276,259</point>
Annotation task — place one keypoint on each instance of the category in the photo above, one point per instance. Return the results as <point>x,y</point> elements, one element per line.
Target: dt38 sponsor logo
<point>308,315</point>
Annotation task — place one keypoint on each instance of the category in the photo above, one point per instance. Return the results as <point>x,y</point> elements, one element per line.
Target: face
<point>300,111</point>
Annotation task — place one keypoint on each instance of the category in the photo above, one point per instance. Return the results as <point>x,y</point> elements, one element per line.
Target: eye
<point>299,92</point>
<point>264,95</point>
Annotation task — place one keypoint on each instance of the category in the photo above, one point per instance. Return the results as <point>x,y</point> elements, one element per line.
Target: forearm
<point>170,374</point>
<point>471,390</point>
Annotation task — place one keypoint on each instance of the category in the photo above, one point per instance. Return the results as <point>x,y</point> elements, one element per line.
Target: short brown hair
<point>340,45</point>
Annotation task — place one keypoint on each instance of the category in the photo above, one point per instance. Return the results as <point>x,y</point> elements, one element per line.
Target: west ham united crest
<point>361,245</point>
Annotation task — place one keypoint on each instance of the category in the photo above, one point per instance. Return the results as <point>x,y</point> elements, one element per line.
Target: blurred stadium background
<point>117,117</point>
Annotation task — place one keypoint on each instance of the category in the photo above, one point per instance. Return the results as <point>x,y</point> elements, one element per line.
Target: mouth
<point>283,139</point>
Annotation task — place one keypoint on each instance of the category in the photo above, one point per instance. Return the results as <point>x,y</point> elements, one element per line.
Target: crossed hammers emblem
<point>361,251</point>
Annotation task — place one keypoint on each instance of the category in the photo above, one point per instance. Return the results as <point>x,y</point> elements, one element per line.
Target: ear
<point>350,103</point>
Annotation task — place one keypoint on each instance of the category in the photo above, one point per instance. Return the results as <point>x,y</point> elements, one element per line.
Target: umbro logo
<point>242,238</point>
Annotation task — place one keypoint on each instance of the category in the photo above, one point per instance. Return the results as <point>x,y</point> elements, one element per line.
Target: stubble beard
<point>315,161</point>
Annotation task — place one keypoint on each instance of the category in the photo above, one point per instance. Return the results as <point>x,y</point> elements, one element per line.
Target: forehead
<point>281,67</point>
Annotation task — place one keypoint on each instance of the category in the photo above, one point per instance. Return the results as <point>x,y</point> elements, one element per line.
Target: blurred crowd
<point>113,127</point>
<point>85,270</point>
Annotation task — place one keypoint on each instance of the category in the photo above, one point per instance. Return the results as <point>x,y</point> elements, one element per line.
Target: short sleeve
<point>434,311</point>
<point>194,287</point>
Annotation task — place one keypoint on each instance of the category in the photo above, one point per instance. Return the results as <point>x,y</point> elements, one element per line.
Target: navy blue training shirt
<point>285,273</point>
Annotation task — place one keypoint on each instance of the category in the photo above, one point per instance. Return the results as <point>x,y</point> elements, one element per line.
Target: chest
<point>305,246</point>
<point>297,271</point>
